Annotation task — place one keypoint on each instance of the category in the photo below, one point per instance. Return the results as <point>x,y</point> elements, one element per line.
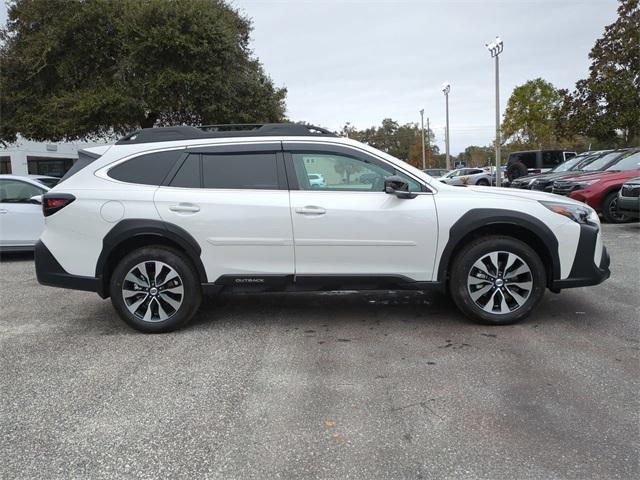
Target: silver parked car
<point>21,218</point>
<point>468,176</point>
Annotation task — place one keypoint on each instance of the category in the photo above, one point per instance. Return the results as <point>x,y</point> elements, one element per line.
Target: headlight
<point>577,213</point>
<point>586,183</point>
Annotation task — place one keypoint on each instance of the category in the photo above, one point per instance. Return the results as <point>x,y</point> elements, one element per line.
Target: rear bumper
<point>584,271</point>
<point>51,273</point>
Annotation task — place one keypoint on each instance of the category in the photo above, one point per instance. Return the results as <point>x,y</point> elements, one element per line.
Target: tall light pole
<point>496,48</point>
<point>446,88</point>
<point>429,141</point>
<point>424,165</point>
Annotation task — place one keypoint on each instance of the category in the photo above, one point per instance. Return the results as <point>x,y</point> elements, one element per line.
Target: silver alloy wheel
<point>152,291</point>
<point>613,211</point>
<point>500,282</point>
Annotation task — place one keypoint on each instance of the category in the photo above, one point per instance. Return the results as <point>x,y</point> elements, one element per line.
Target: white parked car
<point>468,176</point>
<point>316,180</point>
<point>21,219</point>
<point>168,214</point>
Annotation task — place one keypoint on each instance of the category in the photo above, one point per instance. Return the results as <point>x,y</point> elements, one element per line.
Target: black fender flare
<point>134,227</point>
<point>478,218</point>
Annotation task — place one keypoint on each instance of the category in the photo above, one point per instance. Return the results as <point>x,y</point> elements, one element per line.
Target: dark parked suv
<point>520,164</point>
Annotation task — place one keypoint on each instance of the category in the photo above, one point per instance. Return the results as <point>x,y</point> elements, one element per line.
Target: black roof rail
<point>168,134</point>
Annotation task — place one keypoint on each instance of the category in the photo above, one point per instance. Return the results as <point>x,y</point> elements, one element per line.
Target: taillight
<point>52,202</point>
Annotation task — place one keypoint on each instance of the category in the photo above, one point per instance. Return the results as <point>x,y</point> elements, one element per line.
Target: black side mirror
<point>395,185</point>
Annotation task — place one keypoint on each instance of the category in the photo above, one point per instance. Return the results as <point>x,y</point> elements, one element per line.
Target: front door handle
<point>311,210</point>
<point>185,208</point>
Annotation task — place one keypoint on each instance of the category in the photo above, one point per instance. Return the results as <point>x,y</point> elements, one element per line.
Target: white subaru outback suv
<point>167,214</point>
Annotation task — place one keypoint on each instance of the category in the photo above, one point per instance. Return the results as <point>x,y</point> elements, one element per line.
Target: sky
<point>360,61</point>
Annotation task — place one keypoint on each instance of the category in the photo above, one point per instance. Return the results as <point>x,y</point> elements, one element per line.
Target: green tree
<point>401,141</point>
<point>531,114</point>
<point>71,69</point>
<point>606,105</point>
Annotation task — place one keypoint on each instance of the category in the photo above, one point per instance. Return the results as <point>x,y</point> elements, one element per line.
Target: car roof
<point>238,130</point>
<point>121,151</point>
<point>26,178</point>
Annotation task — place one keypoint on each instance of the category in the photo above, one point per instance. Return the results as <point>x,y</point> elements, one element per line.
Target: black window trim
<point>344,150</point>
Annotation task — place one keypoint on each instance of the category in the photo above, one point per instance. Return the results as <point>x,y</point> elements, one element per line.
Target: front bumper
<point>584,271</point>
<point>629,206</point>
<point>51,273</point>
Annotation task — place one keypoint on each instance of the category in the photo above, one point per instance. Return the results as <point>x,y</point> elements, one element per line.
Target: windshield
<point>630,162</point>
<point>600,162</point>
<point>569,164</point>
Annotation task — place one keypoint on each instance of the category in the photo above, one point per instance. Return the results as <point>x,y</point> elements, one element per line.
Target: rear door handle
<point>311,210</point>
<point>185,208</point>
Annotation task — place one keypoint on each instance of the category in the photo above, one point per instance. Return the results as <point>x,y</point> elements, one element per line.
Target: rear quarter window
<point>148,169</point>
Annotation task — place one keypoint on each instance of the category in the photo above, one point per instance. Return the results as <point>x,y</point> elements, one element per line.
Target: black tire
<point>483,182</point>
<point>463,270</point>
<point>516,170</point>
<point>187,278</point>
<point>609,209</point>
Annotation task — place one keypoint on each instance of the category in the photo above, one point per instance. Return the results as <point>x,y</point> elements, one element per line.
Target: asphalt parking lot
<point>370,385</point>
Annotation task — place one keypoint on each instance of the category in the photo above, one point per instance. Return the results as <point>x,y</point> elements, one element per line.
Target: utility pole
<point>496,48</point>
<point>446,88</point>
<point>422,125</point>
<point>429,141</point>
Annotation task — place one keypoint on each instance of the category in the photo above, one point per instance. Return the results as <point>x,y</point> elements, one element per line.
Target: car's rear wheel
<point>483,182</point>
<point>497,280</point>
<point>155,289</point>
<point>610,209</point>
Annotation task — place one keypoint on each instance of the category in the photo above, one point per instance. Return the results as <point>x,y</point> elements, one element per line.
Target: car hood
<point>534,195</point>
<point>633,181</point>
<point>607,175</point>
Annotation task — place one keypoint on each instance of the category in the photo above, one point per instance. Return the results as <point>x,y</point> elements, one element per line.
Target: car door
<point>350,226</point>
<point>21,220</point>
<point>234,201</point>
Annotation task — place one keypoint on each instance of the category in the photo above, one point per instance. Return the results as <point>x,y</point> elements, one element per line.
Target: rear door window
<point>256,171</point>
<point>148,169</point>
<point>528,158</point>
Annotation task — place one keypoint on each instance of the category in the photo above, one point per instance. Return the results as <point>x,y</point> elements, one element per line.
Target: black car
<point>586,163</point>
<point>570,165</point>
<point>629,198</point>
<point>522,163</point>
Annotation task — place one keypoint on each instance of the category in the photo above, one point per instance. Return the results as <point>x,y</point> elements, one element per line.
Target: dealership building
<point>40,158</point>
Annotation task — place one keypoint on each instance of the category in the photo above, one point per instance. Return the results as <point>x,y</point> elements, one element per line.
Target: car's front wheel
<point>610,209</point>
<point>497,280</point>
<point>155,289</point>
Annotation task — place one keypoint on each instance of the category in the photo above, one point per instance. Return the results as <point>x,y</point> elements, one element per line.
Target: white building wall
<point>19,151</point>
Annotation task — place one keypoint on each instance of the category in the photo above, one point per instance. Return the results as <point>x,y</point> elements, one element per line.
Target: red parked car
<point>600,189</point>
